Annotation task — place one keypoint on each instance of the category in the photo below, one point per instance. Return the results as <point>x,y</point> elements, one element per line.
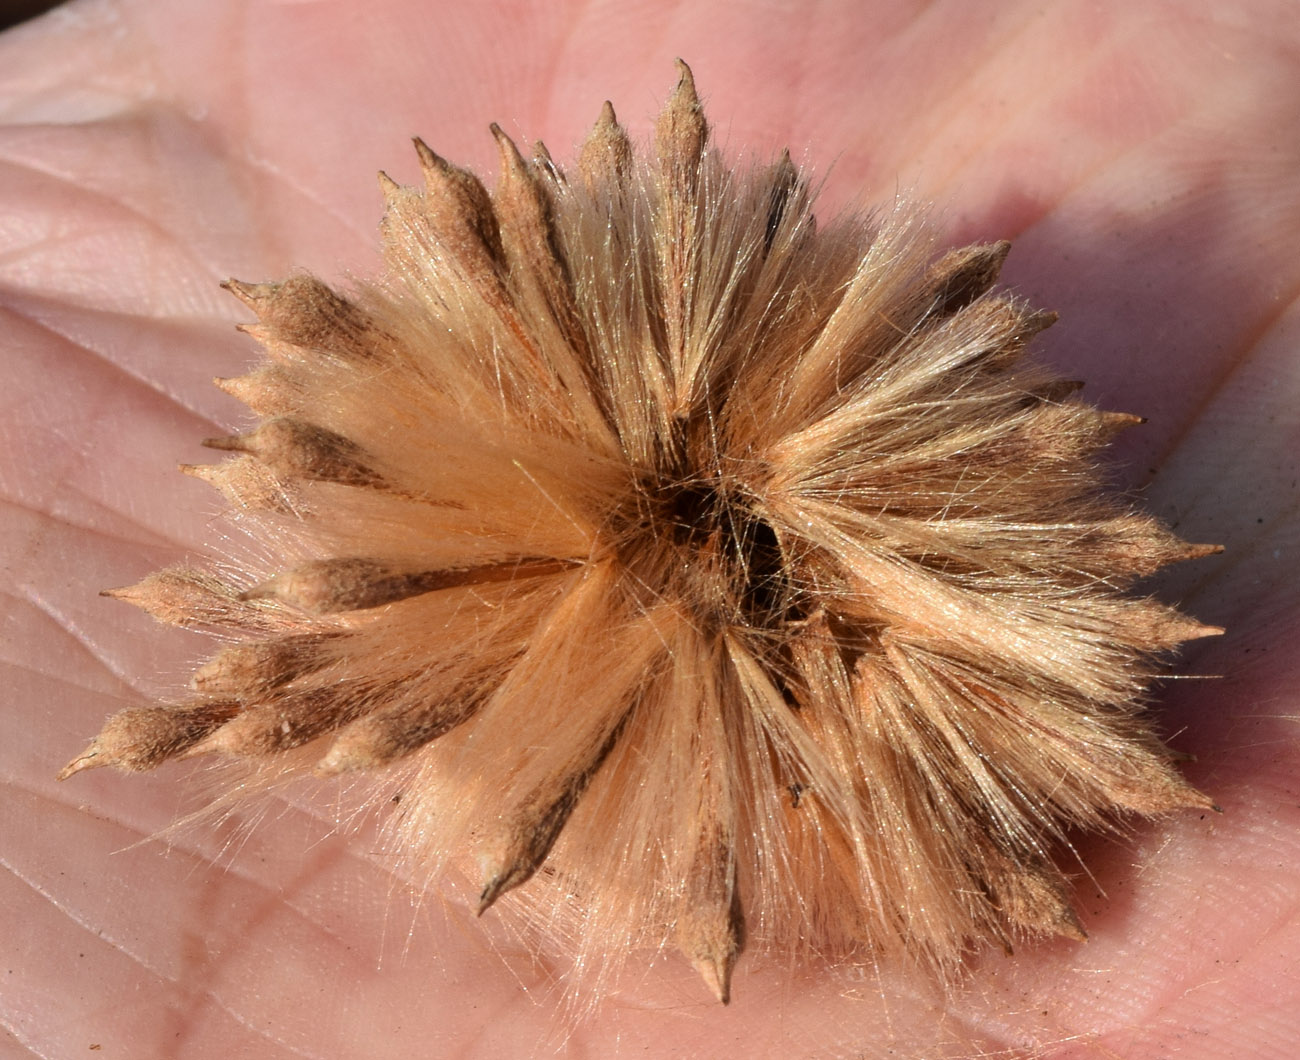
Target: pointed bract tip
<point>607,116</point>
<point>137,595</point>
<point>1171,627</point>
<point>716,973</point>
<point>1190,798</point>
<point>253,295</point>
<point>88,759</point>
<point>492,890</point>
<point>234,443</point>
<point>1068,926</point>
<point>686,80</point>
<point>429,159</point>
<point>1200,630</point>
<point>1118,421</point>
<point>511,159</point>
<point>681,132</point>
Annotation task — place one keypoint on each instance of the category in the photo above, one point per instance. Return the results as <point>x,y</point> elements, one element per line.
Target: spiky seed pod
<point>741,572</point>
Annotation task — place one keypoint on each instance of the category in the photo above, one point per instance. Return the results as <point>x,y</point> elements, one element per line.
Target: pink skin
<point>1143,157</point>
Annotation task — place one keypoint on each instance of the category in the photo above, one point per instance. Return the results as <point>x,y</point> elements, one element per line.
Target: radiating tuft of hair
<point>740,572</point>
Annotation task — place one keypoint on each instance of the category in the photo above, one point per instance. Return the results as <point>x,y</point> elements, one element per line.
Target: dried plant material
<point>715,577</point>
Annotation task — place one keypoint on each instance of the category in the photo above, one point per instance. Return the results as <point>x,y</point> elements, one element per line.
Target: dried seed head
<point>741,571</point>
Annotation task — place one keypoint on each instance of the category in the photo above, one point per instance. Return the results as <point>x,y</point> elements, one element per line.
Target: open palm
<point>1144,161</point>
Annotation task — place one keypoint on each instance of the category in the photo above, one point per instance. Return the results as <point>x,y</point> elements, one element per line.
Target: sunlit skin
<point>1139,162</point>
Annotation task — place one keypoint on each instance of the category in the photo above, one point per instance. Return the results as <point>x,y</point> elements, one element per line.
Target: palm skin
<point>1143,161</point>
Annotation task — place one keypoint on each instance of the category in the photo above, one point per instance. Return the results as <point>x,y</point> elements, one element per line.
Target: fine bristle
<point>712,575</point>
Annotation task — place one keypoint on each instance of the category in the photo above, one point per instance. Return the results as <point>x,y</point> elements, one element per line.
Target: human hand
<point>1143,162</point>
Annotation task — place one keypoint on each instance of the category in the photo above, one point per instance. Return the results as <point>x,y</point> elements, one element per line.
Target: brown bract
<point>742,572</point>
